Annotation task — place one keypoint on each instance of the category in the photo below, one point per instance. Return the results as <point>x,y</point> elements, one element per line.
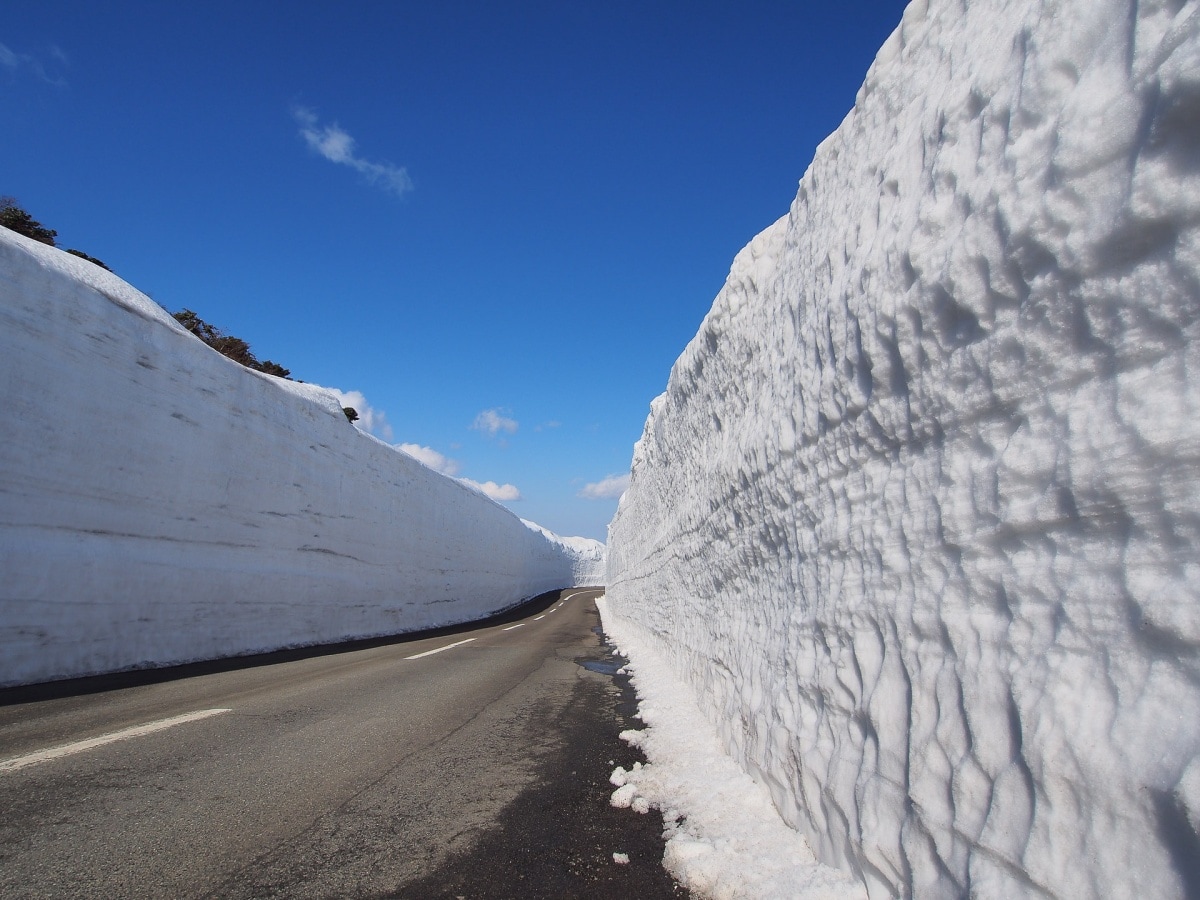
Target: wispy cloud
<point>436,461</point>
<point>370,419</point>
<point>492,421</point>
<point>495,491</point>
<point>15,63</point>
<point>439,462</point>
<point>609,488</point>
<point>337,146</point>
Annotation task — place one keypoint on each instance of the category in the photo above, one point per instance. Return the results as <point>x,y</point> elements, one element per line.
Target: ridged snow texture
<point>160,503</point>
<point>919,512</point>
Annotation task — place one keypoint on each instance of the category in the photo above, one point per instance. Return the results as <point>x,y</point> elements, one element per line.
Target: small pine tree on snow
<point>13,217</point>
<point>227,345</point>
<point>90,259</point>
<point>16,219</point>
<point>272,368</point>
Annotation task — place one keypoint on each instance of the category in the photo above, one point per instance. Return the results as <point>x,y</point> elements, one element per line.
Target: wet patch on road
<point>561,838</point>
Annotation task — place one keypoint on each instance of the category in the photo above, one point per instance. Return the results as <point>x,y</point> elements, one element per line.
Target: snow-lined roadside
<point>915,519</point>
<point>161,504</point>
<point>725,839</point>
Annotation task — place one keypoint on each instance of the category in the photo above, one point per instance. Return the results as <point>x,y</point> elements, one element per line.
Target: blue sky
<point>499,223</point>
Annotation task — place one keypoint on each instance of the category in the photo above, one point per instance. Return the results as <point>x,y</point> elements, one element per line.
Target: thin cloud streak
<point>336,145</point>
<point>15,62</point>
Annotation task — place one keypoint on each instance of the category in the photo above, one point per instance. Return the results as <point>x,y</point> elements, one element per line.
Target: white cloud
<point>441,463</point>
<point>609,488</point>
<point>371,420</point>
<point>493,490</point>
<point>436,461</point>
<point>14,62</point>
<point>492,421</point>
<point>337,146</point>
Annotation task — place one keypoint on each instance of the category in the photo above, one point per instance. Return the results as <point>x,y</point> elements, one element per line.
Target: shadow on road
<point>557,839</point>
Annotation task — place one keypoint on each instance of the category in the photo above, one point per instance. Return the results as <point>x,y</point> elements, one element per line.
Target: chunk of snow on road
<point>621,859</point>
<point>623,796</point>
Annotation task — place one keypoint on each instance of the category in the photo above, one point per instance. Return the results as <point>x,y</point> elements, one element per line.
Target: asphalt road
<point>465,764</point>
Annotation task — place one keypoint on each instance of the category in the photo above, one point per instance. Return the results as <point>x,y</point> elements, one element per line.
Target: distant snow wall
<point>918,515</point>
<point>160,503</point>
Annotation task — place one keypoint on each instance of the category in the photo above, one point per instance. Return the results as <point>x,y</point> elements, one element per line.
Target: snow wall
<point>918,515</point>
<point>160,503</point>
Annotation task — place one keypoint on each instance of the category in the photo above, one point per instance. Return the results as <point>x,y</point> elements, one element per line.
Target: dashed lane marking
<point>31,759</point>
<point>439,649</point>
<point>511,627</point>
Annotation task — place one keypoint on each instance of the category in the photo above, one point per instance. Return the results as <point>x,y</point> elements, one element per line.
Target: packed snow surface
<point>160,503</point>
<point>917,518</point>
<point>724,838</point>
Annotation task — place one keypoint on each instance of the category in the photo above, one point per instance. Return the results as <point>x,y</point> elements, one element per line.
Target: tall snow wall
<point>160,503</point>
<point>918,515</point>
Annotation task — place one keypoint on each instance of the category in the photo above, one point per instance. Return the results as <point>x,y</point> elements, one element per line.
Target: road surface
<point>465,764</point>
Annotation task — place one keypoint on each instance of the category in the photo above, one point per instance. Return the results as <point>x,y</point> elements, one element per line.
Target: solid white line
<point>440,649</point>
<point>30,759</point>
<point>511,627</point>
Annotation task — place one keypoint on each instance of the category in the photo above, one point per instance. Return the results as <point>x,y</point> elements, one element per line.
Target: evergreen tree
<point>90,259</point>
<point>275,369</point>
<point>227,345</point>
<point>15,218</point>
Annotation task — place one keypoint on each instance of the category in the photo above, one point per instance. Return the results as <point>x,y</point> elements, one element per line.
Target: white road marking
<point>509,628</point>
<point>440,649</point>
<point>30,759</point>
<point>551,610</point>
